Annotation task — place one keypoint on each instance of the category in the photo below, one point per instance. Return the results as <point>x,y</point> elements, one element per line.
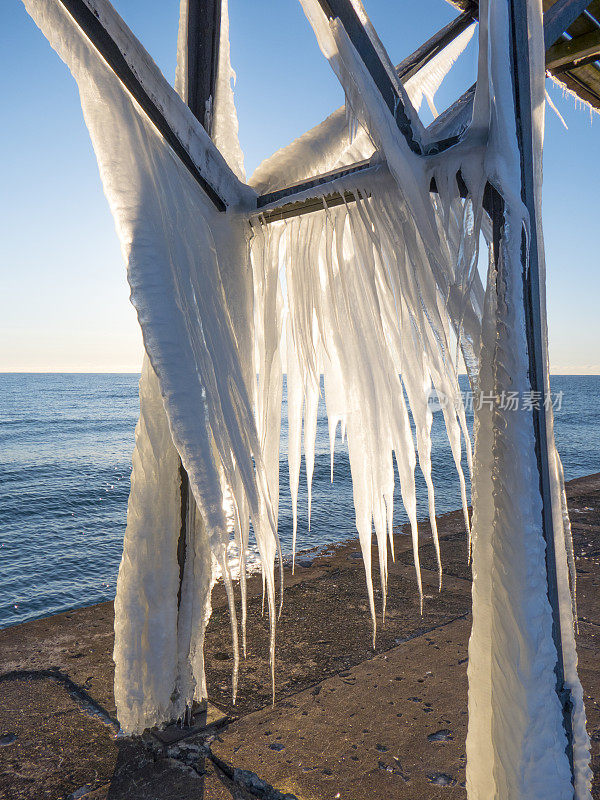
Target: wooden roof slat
<point>568,52</point>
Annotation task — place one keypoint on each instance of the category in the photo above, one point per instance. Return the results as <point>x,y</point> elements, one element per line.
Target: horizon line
<point>595,373</point>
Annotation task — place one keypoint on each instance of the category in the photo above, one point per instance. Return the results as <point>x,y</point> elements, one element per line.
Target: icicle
<point>295,392</point>
<point>223,563</point>
<point>310,435</point>
<point>428,80</point>
<point>556,111</point>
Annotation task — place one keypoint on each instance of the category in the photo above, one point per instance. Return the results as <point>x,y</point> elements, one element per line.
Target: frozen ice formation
<point>383,297</point>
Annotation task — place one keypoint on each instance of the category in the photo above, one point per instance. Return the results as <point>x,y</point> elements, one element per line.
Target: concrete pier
<point>348,723</point>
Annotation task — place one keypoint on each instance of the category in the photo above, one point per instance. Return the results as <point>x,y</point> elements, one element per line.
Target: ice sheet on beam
<point>193,296</point>
<point>330,144</point>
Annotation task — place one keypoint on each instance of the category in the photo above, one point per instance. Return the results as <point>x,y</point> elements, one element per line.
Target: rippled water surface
<point>65,458</point>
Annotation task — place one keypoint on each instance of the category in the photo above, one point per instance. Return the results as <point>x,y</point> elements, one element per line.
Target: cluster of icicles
<point>367,309</point>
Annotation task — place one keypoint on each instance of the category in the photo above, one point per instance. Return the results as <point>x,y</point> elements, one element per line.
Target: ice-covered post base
<point>516,744</point>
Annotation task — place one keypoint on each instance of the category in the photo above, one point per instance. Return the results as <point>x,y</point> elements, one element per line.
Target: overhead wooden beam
<point>203,36</point>
<point>569,53</point>
<point>345,12</point>
<point>145,88</point>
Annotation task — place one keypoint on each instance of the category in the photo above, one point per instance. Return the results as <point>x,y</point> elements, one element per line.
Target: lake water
<point>65,459</point>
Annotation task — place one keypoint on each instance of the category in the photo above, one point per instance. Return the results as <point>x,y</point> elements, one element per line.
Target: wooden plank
<point>521,79</point>
<point>569,52</point>
<point>203,36</point>
<point>344,11</point>
<point>584,81</point>
<point>158,100</point>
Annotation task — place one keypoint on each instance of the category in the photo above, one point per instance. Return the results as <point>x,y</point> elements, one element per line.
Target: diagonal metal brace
<point>101,39</point>
<point>344,11</point>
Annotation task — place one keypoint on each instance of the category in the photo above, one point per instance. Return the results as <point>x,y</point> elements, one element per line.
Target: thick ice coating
<point>189,283</point>
<point>383,297</point>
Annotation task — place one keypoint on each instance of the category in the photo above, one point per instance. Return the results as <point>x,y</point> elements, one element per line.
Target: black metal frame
<point>423,55</point>
<point>556,20</point>
<point>203,45</point>
<point>202,55</point>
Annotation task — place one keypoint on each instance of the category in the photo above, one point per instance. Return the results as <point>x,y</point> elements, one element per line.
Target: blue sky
<point>64,303</point>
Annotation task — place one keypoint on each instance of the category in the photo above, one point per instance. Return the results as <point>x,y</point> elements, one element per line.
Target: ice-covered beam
<point>199,56</point>
<point>353,25</point>
<point>168,113</point>
<point>308,196</point>
<point>534,322</point>
<point>423,55</point>
<point>202,46</point>
<point>315,139</point>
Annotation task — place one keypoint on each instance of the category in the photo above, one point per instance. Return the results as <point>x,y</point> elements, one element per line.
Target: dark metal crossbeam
<point>344,11</point>
<point>328,194</point>
<point>299,208</point>
<point>109,50</point>
<point>317,182</point>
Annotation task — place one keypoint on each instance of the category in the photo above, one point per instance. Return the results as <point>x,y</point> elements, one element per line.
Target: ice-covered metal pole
<point>201,58</point>
<point>203,27</point>
<point>521,73</point>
